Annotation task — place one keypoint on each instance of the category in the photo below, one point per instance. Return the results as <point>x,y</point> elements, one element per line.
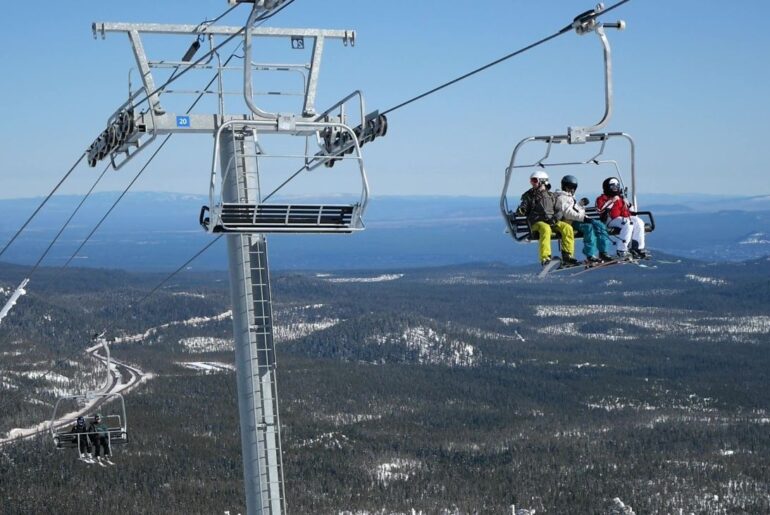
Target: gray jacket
<point>538,206</point>
<point>568,208</point>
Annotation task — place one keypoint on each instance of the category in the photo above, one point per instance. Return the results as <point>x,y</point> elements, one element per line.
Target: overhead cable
<point>43,203</point>
<point>563,30</point>
<point>66,224</point>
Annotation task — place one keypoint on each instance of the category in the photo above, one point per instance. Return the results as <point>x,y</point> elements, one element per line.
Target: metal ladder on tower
<point>262,373</point>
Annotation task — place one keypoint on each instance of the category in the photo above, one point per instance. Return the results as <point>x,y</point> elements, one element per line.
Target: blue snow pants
<point>595,237</point>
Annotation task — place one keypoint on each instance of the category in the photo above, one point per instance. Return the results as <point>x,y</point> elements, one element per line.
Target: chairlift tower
<point>238,208</point>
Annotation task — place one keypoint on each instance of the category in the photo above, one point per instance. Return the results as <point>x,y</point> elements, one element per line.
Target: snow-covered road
<point>124,378</point>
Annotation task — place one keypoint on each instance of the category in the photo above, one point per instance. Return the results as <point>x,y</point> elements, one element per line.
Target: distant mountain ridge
<point>159,231</point>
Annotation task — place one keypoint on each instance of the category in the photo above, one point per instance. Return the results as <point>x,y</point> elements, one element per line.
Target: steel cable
<point>43,203</point>
<point>563,30</point>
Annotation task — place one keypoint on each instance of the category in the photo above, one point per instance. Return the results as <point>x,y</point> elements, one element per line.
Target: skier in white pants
<point>615,210</point>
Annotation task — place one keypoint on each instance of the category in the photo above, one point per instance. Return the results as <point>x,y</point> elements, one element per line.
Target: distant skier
<point>538,204</point>
<point>596,240</point>
<point>618,213</point>
<point>84,444</point>
<point>100,436</point>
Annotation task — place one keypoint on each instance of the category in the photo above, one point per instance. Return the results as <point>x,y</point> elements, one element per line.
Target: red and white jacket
<point>613,207</point>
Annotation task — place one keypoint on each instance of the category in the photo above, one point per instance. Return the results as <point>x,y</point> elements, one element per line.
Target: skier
<point>595,236</point>
<point>100,436</point>
<point>84,445</point>
<point>538,204</point>
<point>617,212</point>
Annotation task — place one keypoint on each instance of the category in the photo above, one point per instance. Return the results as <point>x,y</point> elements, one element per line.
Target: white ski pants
<point>631,228</point>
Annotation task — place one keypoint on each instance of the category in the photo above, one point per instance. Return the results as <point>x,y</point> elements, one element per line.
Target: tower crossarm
<point>102,28</point>
<point>296,36</point>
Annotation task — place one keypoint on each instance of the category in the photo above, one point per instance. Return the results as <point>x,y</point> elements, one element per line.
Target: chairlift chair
<point>116,422</point>
<point>62,419</point>
<point>517,225</point>
<point>257,214</point>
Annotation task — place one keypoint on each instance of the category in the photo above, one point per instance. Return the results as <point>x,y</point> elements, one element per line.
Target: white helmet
<point>539,178</point>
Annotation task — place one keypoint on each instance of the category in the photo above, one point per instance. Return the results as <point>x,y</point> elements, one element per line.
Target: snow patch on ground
<point>571,329</point>
<point>617,404</point>
<point>198,344</point>
<point>757,238</point>
<point>509,321</point>
<point>294,331</point>
<point>656,322</point>
<point>480,281</point>
<point>188,294</point>
<point>657,292</point>
<point>398,470</point>
<point>6,384</point>
<point>192,322</point>
<point>333,440</point>
<point>50,376</point>
<point>207,367</point>
<point>589,310</point>
<point>347,419</point>
<point>711,281</point>
<point>588,365</point>
<point>432,347</point>
<point>489,335</point>
<point>377,279</point>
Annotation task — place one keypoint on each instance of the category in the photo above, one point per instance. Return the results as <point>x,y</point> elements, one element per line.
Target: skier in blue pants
<point>596,240</point>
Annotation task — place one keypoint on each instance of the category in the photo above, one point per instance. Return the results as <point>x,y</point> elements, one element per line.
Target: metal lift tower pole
<point>254,349</point>
<point>236,207</point>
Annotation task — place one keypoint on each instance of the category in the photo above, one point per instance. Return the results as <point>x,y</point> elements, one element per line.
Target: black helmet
<point>81,421</point>
<point>569,183</point>
<point>611,186</point>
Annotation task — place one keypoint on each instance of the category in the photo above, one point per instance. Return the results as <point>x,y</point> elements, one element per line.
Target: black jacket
<point>79,429</point>
<point>538,206</point>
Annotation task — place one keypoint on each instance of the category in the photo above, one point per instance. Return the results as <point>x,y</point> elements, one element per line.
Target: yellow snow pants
<point>567,238</point>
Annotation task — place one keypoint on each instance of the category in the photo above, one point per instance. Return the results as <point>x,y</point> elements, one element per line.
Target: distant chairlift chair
<point>62,420</point>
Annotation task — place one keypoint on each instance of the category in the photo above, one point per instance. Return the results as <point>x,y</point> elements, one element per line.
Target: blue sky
<point>690,80</point>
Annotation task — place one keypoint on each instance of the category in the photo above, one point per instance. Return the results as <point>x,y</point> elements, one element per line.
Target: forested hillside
<point>448,390</point>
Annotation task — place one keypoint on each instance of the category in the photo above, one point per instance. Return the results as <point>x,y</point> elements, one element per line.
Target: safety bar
<point>299,125</point>
<point>549,140</point>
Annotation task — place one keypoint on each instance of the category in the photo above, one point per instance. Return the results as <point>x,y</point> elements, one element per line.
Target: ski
<point>548,267</point>
<point>596,266</point>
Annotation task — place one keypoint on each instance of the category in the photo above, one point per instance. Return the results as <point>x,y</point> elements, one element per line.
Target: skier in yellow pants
<point>567,241</point>
<point>538,204</point>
